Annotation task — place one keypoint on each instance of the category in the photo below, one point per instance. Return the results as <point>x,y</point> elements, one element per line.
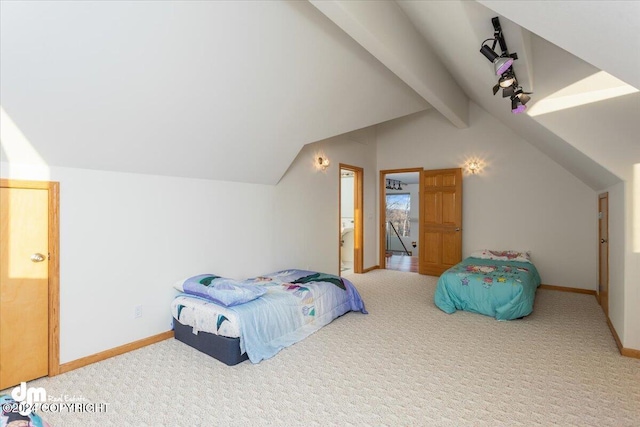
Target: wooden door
<point>24,285</point>
<point>441,218</point>
<point>603,251</point>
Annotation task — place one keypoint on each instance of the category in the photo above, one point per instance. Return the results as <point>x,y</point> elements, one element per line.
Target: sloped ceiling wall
<point>217,90</point>
<point>233,90</point>
<point>602,33</point>
<point>456,30</point>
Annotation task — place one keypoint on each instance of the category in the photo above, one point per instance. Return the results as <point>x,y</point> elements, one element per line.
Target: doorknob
<point>457,228</point>
<point>37,257</point>
<point>603,241</point>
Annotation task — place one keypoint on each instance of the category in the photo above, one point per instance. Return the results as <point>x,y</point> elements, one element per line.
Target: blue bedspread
<point>297,303</point>
<point>502,289</point>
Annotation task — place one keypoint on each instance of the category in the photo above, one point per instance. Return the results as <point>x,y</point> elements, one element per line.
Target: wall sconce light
<point>322,162</point>
<point>473,167</point>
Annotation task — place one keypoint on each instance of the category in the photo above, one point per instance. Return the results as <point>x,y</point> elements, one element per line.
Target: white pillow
<point>179,285</point>
<point>502,255</point>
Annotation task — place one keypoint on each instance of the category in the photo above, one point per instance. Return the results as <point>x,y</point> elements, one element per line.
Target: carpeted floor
<point>405,363</point>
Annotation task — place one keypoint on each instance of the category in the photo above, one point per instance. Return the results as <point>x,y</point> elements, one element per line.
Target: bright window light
<point>15,144</point>
<point>24,161</point>
<point>597,87</point>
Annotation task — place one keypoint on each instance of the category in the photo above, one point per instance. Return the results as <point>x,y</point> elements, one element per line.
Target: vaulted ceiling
<point>233,90</point>
<point>217,90</point>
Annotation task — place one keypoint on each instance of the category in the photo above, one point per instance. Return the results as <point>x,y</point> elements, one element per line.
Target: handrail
<point>401,242</point>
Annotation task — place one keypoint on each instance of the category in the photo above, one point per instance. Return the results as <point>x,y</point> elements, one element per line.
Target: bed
<point>500,284</point>
<point>254,319</point>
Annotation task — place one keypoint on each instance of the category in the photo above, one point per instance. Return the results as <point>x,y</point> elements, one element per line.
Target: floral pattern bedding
<point>296,304</point>
<point>501,289</point>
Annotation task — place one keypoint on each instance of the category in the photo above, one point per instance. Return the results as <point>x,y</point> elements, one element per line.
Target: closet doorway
<point>29,281</point>
<point>603,251</point>
<point>400,208</point>
<point>350,205</point>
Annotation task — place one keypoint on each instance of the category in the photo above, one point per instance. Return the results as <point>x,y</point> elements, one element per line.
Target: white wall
<point>306,229</point>
<point>607,132</point>
<point>521,200</point>
<point>126,238</point>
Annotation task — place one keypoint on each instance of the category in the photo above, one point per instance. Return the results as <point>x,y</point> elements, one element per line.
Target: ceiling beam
<point>384,30</point>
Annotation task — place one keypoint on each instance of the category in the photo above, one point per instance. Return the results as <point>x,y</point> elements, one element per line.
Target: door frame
<point>53,189</point>
<point>358,217</point>
<point>603,225</point>
<point>383,210</point>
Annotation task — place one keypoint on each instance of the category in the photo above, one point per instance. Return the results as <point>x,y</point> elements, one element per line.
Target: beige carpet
<point>406,363</point>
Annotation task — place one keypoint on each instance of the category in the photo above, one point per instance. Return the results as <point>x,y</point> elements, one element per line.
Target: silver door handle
<point>603,241</point>
<point>37,257</point>
<point>457,228</point>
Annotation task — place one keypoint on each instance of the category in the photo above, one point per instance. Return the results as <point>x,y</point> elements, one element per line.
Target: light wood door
<point>441,242</point>
<point>603,251</point>
<point>24,285</point>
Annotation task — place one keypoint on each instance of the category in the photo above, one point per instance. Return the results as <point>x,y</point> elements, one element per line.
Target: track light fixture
<point>518,101</point>
<point>393,184</point>
<point>522,96</point>
<point>508,92</point>
<point>501,63</point>
<point>503,68</point>
<point>516,106</point>
<point>507,81</point>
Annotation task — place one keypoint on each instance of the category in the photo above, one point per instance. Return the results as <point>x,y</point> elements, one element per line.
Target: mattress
<point>205,316</point>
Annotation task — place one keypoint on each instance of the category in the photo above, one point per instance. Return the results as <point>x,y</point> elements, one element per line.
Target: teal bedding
<point>505,290</point>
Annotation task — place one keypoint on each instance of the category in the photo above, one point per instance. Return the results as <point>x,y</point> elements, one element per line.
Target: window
<point>398,208</point>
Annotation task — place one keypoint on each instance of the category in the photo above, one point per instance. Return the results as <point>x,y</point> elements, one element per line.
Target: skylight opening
<point>595,88</point>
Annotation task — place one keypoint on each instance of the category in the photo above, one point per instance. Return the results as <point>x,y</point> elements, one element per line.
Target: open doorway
<point>399,214</point>
<point>351,214</point>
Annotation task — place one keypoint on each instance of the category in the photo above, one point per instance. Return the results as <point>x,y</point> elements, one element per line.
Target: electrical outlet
<point>137,311</point>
